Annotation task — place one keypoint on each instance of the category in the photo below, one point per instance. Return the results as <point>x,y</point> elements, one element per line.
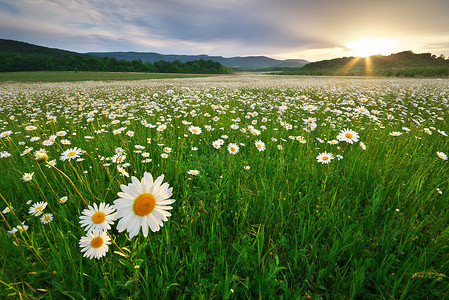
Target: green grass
<point>85,76</point>
<point>369,226</point>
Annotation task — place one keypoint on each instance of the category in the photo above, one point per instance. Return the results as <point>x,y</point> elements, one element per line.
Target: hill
<point>20,56</point>
<point>238,62</point>
<point>16,47</point>
<point>404,63</point>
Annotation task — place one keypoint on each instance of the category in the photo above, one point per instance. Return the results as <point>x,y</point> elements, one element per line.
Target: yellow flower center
<point>232,149</point>
<point>194,130</point>
<point>144,204</point>
<point>96,242</point>
<point>71,153</point>
<point>98,217</point>
<point>325,158</point>
<point>39,208</point>
<point>349,135</point>
<point>119,159</point>
<point>46,218</point>
<point>259,146</point>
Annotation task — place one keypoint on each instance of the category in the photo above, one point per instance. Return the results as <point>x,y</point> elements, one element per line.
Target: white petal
<point>145,226</point>
<point>153,224</point>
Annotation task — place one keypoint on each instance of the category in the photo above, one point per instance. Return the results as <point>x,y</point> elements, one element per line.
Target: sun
<point>371,46</point>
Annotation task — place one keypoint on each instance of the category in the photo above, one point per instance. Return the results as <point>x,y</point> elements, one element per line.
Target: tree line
<point>14,62</point>
<point>403,64</point>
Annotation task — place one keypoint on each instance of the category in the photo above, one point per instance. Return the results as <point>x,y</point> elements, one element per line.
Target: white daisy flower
<point>37,208</point>
<point>71,153</point>
<point>47,218</point>
<point>442,155</point>
<point>193,172</point>
<point>233,148</point>
<point>349,136</point>
<point>98,218</point>
<point>95,244</point>
<point>260,145</point>
<point>143,204</point>
<point>325,157</point>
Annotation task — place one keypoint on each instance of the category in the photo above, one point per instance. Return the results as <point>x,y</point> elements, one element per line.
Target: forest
<point>402,64</point>
<point>16,62</point>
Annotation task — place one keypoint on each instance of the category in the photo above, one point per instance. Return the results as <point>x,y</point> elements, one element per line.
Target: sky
<point>283,29</point>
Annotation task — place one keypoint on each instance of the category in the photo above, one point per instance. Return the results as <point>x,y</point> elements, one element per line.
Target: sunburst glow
<point>371,46</point>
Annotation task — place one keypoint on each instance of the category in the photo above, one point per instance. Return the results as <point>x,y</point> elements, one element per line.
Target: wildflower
<point>164,155</point>
<point>260,145</point>
<point>47,218</point>
<point>71,153</point>
<point>21,227</point>
<point>31,127</point>
<point>309,120</point>
<point>12,231</point>
<point>233,148</point>
<point>406,129</point>
<point>119,150</point>
<point>427,130</point>
<point>161,127</point>
<point>246,167</point>
<point>362,110</point>
<point>51,163</point>
<point>26,151</point>
<point>47,143</point>
<point>195,130</point>
<point>122,171</point>
<point>37,208</point>
<point>29,202</point>
<point>442,155</point>
<point>7,209</point>
<point>41,155</point>
<point>5,154</point>
<point>348,136</point>
<point>193,172</point>
<point>362,145</point>
<point>310,107</point>
<point>118,158</point>
<point>5,133</point>
<point>395,133</point>
<point>442,132</point>
<point>27,177</point>
<point>325,157</point>
<point>95,244</point>
<point>98,218</point>
<point>143,204</point>
<point>255,132</point>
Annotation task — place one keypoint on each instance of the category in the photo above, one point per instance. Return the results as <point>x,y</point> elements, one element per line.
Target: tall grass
<point>371,225</point>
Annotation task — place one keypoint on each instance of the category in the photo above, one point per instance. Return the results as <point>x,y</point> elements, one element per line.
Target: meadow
<point>68,76</point>
<point>274,187</point>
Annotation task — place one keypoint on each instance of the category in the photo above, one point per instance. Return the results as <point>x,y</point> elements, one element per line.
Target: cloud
<point>223,27</point>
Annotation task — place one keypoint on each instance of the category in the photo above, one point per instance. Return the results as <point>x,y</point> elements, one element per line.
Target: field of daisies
<point>243,186</point>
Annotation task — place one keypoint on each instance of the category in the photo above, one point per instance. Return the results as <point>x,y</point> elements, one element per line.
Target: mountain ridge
<point>237,62</point>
